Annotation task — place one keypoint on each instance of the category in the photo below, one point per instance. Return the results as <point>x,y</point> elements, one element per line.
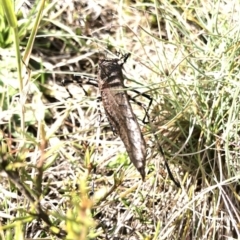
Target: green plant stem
<point>20,79</point>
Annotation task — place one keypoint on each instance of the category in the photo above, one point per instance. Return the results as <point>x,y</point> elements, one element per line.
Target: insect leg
<point>80,81</point>
<point>160,149</point>
<point>125,57</point>
<point>146,109</point>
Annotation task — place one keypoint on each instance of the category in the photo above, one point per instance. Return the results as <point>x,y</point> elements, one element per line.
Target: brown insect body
<point>119,111</point>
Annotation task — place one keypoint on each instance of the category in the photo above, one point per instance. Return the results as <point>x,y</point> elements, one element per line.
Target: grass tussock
<point>65,175</point>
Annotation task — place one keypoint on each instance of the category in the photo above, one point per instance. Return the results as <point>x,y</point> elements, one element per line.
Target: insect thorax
<point>110,69</point>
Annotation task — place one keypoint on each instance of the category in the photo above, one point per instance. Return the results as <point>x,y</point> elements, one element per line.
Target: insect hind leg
<point>160,149</point>
<point>146,109</point>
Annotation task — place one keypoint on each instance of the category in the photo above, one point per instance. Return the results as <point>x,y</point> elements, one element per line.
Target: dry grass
<point>64,175</point>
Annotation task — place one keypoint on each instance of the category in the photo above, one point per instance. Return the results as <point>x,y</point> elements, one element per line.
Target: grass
<point>64,175</point>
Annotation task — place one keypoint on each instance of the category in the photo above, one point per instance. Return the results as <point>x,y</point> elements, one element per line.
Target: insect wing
<point>120,113</point>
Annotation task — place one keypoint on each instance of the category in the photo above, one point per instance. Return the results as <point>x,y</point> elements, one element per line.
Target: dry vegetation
<point>65,175</point>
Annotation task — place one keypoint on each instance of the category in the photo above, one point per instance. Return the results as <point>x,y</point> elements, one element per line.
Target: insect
<point>120,114</point>
<point>119,111</point>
